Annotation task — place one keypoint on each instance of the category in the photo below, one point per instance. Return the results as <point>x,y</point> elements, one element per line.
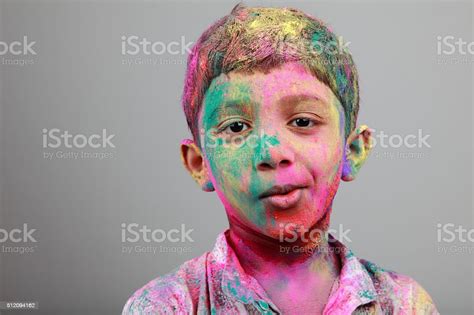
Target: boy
<point>271,98</point>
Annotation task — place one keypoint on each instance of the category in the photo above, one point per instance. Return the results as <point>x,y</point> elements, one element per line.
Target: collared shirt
<point>215,283</point>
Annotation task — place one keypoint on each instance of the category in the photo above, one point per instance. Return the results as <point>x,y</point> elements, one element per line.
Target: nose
<point>271,158</point>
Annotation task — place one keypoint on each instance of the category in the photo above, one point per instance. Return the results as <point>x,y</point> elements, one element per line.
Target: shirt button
<point>263,305</point>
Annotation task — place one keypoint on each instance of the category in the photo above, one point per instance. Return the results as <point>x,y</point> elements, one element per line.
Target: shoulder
<point>399,292</point>
<point>175,292</point>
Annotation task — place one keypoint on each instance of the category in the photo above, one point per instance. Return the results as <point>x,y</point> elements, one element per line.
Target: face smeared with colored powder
<point>263,130</point>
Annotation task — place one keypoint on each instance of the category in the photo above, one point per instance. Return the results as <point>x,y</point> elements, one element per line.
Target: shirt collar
<point>235,282</point>
<point>354,286</point>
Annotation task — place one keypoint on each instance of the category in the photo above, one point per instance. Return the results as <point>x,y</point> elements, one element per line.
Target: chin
<point>287,229</point>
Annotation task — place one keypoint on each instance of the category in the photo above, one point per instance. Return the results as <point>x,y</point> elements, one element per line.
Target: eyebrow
<point>287,100</point>
<point>299,98</point>
<point>236,103</point>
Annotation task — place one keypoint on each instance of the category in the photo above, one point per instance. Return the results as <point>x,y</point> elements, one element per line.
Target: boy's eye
<point>236,127</point>
<point>302,122</point>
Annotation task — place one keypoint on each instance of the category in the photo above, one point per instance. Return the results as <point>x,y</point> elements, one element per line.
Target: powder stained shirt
<point>215,283</point>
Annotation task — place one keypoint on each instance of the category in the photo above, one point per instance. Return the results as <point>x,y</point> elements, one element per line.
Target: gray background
<point>78,83</point>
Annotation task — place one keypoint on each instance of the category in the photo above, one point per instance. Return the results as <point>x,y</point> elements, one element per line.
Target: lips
<point>283,197</point>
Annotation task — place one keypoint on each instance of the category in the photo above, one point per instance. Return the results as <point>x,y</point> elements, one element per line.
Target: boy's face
<point>273,146</point>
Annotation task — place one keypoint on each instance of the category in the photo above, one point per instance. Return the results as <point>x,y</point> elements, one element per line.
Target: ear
<point>192,158</point>
<point>357,148</point>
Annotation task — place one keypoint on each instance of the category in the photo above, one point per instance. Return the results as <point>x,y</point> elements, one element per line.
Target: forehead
<point>287,79</point>
<point>265,89</point>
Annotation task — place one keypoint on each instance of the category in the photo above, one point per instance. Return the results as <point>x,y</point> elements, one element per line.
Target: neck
<point>259,253</point>
<point>295,280</point>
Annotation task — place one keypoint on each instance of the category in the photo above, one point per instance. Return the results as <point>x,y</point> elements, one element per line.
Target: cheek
<point>334,162</point>
<point>230,168</point>
<point>330,176</point>
<point>226,177</point>
<point>324,159</point>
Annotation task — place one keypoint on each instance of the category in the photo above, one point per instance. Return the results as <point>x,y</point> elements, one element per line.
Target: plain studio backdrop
<point>79,209</point>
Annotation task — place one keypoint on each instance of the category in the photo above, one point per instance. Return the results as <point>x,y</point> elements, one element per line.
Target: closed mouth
<point>280,190</point>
